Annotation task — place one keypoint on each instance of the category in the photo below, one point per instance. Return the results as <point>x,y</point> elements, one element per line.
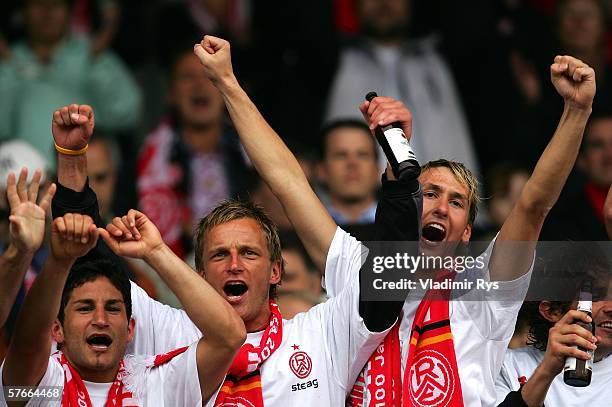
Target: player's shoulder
<point>527,355</point>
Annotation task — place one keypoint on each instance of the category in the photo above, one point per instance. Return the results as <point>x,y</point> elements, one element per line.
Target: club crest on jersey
<point>232,401</point>
<point>300,364</point>
<point>431,379</point>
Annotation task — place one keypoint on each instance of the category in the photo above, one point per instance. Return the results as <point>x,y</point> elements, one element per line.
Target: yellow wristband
<point>67,151</point>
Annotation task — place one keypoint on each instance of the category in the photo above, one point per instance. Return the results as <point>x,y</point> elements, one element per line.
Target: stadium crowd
<point>185,186</point>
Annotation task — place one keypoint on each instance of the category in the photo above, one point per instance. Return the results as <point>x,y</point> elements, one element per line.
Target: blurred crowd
<point>474,75</point>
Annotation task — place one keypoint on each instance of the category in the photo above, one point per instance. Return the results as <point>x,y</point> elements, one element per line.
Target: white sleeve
<point>507,380</point>
<point>340,254</point>
<point>494,312</point>
<point>348,342</point>
<point>176,382</point>
<point>53,377</point>
<point>159,328</point>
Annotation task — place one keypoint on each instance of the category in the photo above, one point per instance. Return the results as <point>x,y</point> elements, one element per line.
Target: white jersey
<point>482,328</point>
<point>322,350</point>
<point>174,383</point>
<point>524,361</point>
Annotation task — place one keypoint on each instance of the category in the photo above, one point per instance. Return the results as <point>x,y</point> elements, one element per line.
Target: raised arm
<point>72,127</point>
<point>224,329</point>
<point>270,156</point>
<point>28,354</point>
<point>27,230</point>
<point>575,82</point>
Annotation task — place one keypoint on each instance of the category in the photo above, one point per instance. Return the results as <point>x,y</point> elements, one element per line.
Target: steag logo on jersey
<point>431,379</point>
<point>300,363</point>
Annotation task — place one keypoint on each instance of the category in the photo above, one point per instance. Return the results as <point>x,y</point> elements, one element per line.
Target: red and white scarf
<point>431,377</point>
<point>160,195</point>
<point>76,394</point>
<point>243,381</point>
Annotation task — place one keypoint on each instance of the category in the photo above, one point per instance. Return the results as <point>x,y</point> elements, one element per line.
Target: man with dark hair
<point>239,254</point>
<point>88,310</point>
<point>348,168</point>
<point>531,376</point>
<point>481,327</point>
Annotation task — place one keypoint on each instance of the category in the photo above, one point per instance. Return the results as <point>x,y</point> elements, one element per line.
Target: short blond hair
<point>465,177</point>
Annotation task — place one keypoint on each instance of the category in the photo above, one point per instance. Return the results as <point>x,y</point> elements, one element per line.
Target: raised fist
<point>72,236</point>
<point>72,126</point>
<point>574,81</point>
<point>132,235</point>
<point>215,56</point>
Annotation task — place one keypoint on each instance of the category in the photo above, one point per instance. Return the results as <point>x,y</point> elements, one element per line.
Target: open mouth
<point>99,342</point>
<point>200,101</point>
<point>235,289</point>
<point>433,232</point>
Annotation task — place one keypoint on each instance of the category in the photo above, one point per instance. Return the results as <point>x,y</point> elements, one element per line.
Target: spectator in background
<point>192,160</point>
<point>51,68</point>
<point>261,194</point>
<point>504,184</point>
<point>300,288</point>
<point>581,27</point>
<point>348,168</point>
<point>579,213</point>
<point>98,20</point>
<point>300,272</point>
<point>102,165</point>
<point>384,59</point>
<point>188,19</point>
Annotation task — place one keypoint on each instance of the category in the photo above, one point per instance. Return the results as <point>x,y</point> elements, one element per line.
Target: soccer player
<point>88,310</point>
<point>312,359</point>
<point>27,225</point>
<point>471,355</point>
<point>554,337</point>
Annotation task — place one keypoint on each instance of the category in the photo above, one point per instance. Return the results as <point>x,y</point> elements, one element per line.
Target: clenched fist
<point>72,126</point>
<point>574,81</point>
<point>215,55</point>
<point>72,236</point>
<point>132,235</point>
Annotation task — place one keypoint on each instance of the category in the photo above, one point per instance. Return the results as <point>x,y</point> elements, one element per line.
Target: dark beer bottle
<point>577,372</point>
<point>397,149</point>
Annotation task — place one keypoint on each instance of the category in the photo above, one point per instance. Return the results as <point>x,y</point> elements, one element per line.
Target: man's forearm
<point>72,171</point>
<point>28,353</point>
<point>13,266</point>
<point>534,391</point>
<point>556,162</point>
<point>281,171</point>
<point>206,309</point>
<point>268,153</point>
<point>522,227</point>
